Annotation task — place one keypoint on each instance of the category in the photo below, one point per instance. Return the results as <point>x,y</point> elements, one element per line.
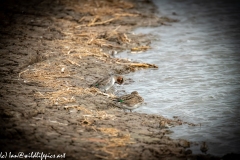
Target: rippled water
<point>198,78</point>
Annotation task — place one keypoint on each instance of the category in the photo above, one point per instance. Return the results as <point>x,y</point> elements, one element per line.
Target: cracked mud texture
<point>50,53</point>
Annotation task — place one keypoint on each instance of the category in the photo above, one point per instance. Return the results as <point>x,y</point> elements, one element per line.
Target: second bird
<point>106,83</point>
<point>129,101</point>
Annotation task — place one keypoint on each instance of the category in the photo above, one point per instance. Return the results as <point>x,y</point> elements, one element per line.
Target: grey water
<point>198,75</point>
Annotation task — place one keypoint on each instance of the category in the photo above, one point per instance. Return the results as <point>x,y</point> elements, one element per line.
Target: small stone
<point>187,152</point>
<point>184,143</point>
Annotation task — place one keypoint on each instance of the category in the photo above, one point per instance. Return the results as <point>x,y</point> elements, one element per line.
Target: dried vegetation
<point>84,39</point>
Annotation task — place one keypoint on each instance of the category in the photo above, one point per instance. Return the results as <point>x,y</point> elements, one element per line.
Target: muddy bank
<point>50,53</point>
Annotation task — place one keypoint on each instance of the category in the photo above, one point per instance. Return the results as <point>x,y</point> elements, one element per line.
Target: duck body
<point>106,83</point>
<point>129,101</point>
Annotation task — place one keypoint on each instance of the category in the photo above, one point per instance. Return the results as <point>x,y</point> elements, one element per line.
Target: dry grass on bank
<point>114,137</point>
<point>82,40</point>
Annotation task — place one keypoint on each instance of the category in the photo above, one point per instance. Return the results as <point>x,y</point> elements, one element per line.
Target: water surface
<point>198,78</point>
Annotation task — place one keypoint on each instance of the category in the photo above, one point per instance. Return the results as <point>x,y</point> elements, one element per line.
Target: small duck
<point>204,147</point>
<point>129,101</point>
<point>106,83</point>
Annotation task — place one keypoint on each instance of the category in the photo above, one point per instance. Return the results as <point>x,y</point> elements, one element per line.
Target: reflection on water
<point>198,77</point>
